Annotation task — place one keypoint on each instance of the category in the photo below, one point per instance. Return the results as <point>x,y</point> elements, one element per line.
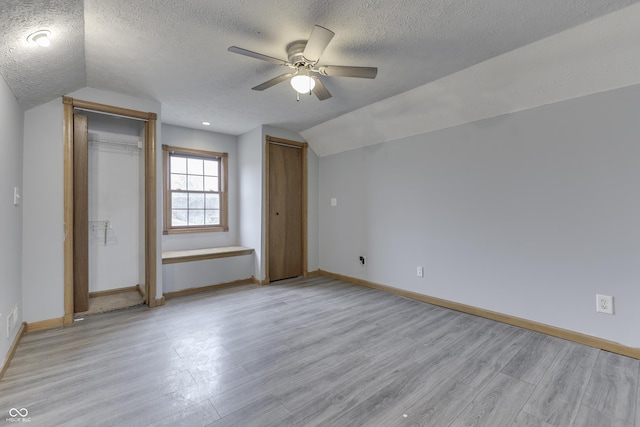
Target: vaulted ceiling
<point>175,52</point>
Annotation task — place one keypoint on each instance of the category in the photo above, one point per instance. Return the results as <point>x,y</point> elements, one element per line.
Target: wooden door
<point>285,241</point>
<point>80,214</point>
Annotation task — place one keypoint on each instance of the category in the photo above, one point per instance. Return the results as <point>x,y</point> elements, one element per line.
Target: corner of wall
<point>11,179</point>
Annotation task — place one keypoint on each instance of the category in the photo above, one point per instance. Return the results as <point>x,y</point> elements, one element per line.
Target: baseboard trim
<point>44,324</point>
<point>190,291</point>
<point>313,273</point>
<point>114,291</point>
<point>258,281</point>
<point>12,349</point>
<point>577,337</point>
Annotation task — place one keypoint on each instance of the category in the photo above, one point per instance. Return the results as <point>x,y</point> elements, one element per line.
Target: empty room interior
<point>305,213</point>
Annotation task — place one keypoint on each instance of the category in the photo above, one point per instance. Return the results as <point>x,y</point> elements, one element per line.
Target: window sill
<point>172,257</point>
<point>194,230</point>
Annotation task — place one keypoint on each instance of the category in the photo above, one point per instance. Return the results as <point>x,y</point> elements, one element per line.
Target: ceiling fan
<point>303,58</point>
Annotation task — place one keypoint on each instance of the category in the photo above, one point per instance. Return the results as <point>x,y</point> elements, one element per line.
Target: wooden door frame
<point>80,212</point>
<point>302,146</point>
<point>151,255</point>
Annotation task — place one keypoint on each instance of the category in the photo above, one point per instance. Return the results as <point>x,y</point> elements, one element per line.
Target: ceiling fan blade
<point>257,55</point>
<point>274,81</point>
<point>346,71</point>
<point>318,41</point>
<point>320,89</point>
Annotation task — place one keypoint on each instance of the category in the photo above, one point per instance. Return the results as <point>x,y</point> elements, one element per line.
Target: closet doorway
<point>116,253</point>
<point>109,205</point>
<point>286,210</point>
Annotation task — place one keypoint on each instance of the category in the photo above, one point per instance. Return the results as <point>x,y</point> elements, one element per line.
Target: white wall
<point>43,231</point>
<point>529,214</point>
<point>43,215</point>
<point>250,183</point>
<point>210,141</point>
<point>115,182</point>
<point>313,230</point>
<point>196,274</point>
<point>11,135</point>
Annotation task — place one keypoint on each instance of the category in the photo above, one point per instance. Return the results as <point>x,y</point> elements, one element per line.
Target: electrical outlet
<point>604,304</point>
<point>363,260</point>
<point>420,271</point>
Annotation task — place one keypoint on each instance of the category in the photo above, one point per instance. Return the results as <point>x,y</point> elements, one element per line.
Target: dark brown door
<point>80,214</point>
<point>285,212</point>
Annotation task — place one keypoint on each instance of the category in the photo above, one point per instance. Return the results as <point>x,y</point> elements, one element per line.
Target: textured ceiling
<point>176,51</point>
<point>597,56</point>
<point>38,75</point>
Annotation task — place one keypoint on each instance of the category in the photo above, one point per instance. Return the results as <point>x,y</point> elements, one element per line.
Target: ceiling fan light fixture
<point>302,83</point>
<point>40,38</point>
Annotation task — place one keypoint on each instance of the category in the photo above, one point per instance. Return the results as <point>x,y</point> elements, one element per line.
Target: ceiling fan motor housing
<point>295,52</point>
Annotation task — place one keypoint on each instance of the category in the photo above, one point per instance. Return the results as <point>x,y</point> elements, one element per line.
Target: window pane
<point>179,201</point>
<point>212,201</point>
<point>196,201</point>
<point>195,183</point>
<point>196,217</point>
<point>211,167</point>
<point>194,189</point>
<point>212,217</point>
<point>178,181</point>
<point>179,217</point>
<point>178,165</point>
<point>195,167</point>
<point>211,183</point>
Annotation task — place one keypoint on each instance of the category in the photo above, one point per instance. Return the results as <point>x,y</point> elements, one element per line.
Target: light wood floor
<point>312,352</point>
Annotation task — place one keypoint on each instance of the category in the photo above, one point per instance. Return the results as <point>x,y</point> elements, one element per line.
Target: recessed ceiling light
<point>40,38</point>
<point>206,123</point>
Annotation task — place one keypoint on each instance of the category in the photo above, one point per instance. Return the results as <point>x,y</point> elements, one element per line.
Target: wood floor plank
<point>440,406</point>
<point>527,420</point>
<point>497,404</point>
<point>534,358</point>
<point>198,415</point>
<point>589,417</point>
<point>613,386</point>
<point>638,403</point>
<point>262,412</point>
<point>397,390</point>
<point>312,351</point>
<point>348,381</point>
<point>557,397</point>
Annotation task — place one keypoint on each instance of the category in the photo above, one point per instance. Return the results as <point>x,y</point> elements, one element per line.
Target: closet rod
<point>132,144</point>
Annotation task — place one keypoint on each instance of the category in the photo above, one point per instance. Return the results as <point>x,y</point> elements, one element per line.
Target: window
<point>195,190</point>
